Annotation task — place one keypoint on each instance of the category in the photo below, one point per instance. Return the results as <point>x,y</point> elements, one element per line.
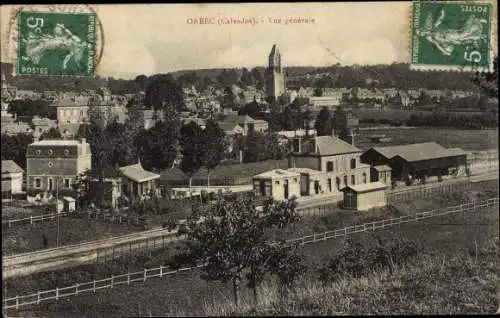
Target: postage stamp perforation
<point>422,32</point>
<point>92,45</point>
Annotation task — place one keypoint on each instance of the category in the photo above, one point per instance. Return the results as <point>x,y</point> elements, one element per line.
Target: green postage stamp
<point>452,36</point>
<point>61,44</point>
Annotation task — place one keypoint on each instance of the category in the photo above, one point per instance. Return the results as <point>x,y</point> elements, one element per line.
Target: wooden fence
<point>142,276</point>
<point>33,219</point>
<point>424,191</point>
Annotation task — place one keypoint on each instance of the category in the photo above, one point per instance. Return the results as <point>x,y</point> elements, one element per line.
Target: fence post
<point>38,298</point>
<point>76,289</point>
<point>128,278</point>
<point>112,278</point>
<point>57,293</point>
<point>94,286</point>
<point>10,224</point>
<point>17,302</point>
<point>145,273</point>
<point>130,247</point>
<point>161,271</point>
<point>31,219</point>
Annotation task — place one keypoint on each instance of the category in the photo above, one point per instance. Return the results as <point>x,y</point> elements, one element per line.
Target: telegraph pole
<point>57,209</point>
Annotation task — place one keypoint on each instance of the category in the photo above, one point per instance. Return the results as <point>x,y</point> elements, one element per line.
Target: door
<point>285,188</point>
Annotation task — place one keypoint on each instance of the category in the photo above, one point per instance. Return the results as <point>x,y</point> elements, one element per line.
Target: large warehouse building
<point>416,161</point>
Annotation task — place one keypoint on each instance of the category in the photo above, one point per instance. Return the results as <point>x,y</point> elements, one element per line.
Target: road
<point>73,255</point>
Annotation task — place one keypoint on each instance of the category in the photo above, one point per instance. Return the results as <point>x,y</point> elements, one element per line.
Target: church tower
<point>275,75</point>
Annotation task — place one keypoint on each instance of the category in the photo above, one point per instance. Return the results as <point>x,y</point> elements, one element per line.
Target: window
<point>66,151</point>
<point>345,180</point>
<point>38,152</point>
<point>50,164</point>
<point>277,182</point>
<point>337,181</point>
<point>353,163</point>
<point>329,166</point>
<point>67,183</point>
<point>353,179</point>
<point>38,183</point>
<point>51,152</point>
<point>329,184</point>
<point>364,177</point>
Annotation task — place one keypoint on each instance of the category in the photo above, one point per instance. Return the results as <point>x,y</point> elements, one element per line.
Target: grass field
<point>466,139</point>
<point>26,238</point>
<point>187,294</point>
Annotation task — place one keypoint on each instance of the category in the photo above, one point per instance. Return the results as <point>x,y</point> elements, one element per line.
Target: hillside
<point>394,75</point>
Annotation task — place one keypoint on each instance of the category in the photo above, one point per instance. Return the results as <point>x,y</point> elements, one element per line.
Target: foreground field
<point>187,294</point>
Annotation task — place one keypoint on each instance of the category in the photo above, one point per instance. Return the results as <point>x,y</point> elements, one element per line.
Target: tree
<point>214,140</point>
<point>488,82</point>
<point>163,93</point>
<point>323,123</point>
<point>30,108</point>
<point>52,133</point>
<point>15,147</point>
<point>228,98</point>
<point>81,185</point>
<point>232,238</point>
<point>193,149</point>
<point>158,146</point>
<point>340,123</point>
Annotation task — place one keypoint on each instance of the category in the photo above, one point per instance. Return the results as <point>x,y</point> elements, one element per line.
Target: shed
<point>278,183</point>
<point>365,196</point>
<point>380,173</point>
<point>69,204</point>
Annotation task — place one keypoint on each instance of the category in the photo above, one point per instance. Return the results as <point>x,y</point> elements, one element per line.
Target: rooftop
<point>330,145</point>
<point>137,173</point>
<point>419,152</point>
<point>277,174</point>
<point>56,142</point>
<point>367,187</point>
<point>9,166</point>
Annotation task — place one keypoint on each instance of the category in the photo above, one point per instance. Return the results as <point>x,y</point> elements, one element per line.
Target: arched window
<point>353,179</point>
<point>329,184</point>
<point>345,180</point>
<point>337,181</point>
<point>353,163</point>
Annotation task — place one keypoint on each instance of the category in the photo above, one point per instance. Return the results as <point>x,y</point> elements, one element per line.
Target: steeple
<point>275,59</point>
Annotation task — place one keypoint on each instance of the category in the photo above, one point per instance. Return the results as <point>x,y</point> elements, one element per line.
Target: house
<point>137,182</point>
<point>231,129</point>
<point>42,125</point>
<point>247,122</point>
<point>278,183</point>
<point>363,197</point>
<point>14,128</point>
<point>150,119</point>
<point>327,164</point>
<point>53,165</point>
<point>324,101</point>
<point>12,178</point>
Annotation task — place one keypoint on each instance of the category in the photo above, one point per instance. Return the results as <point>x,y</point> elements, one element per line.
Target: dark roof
<point>419,152</point>
<point>9,166</point>
<point>330,145</point>
<point>228,126</point>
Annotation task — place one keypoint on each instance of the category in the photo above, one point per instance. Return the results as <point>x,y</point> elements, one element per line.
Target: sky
<point>158,38</point>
